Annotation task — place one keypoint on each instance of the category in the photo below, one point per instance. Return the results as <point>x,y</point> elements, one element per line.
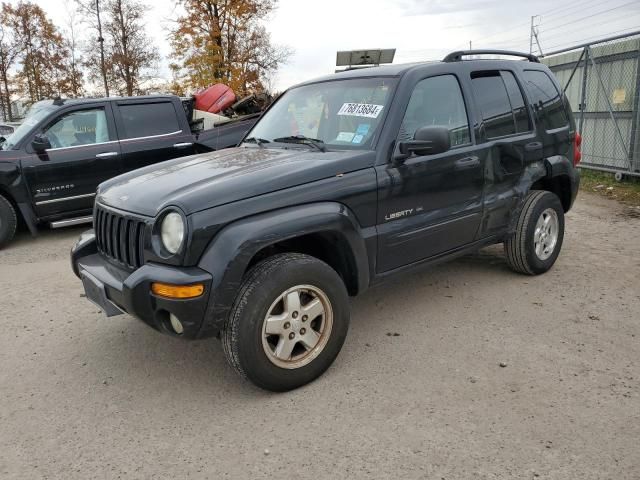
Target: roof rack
<point>457,56</point>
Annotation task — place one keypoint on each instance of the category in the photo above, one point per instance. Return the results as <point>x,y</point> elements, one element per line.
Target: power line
<point>581,27</point>
<point>592,38</point>
<point>593,15</point>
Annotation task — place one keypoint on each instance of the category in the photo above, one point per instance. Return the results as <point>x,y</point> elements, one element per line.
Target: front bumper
<point>115,289</point>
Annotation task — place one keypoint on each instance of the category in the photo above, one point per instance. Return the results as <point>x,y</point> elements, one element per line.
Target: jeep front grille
<point>119,237</point>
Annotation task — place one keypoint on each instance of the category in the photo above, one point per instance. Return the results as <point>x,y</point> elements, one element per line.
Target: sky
<point>417,29</point>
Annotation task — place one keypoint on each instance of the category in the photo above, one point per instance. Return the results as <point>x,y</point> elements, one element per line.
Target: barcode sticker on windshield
<point>360,110</point>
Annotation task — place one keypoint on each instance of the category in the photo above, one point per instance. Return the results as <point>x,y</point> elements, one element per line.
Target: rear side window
<point>518,107</point>
<point>147,119</point>
<point>546,99</point>
<point>437,101</point>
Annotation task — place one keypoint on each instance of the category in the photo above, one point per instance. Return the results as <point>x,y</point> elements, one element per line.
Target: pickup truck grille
<point>119,238</point>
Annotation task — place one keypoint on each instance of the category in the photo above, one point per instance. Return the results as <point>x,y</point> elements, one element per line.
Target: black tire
<point>242,336</point>
<point>8,221</point>
<point>520,247</point>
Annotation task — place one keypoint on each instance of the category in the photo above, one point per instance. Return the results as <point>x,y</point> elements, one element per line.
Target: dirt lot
<point>89,397</point>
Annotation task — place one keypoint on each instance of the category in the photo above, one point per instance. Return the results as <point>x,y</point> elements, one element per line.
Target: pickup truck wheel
<point>8,221</point>
<point>536,243</point>
<point>288,322</point>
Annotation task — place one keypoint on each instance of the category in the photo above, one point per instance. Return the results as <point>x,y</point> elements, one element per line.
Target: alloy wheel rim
<point>297,326</point>
<point>545,236</point>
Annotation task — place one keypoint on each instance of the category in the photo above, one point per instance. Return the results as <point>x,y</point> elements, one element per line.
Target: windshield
<point>26,126</point>
<point>342,114</point>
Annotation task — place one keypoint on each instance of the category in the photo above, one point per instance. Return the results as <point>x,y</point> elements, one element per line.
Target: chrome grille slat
<point>119,237</point>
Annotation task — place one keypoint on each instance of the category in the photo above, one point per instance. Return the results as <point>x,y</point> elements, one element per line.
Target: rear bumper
<point>115,289</point>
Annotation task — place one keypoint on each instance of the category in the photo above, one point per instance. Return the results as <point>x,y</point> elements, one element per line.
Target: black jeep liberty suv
<point>344,181</point>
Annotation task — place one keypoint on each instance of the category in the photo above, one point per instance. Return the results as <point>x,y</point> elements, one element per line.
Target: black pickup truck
<point>344,181</point>
<point>52,164</point>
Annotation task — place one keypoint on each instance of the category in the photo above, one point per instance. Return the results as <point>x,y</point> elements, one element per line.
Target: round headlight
<point>172,231</point>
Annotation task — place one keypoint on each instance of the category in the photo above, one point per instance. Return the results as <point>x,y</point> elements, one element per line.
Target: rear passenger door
<point>507,133</point>
<point>150,132</point>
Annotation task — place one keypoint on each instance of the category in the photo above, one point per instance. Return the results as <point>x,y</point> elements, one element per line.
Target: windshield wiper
<point>258,141</point>
<point>302,140</point>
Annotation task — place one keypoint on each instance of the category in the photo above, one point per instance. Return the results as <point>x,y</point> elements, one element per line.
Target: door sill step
<point>70,222</point>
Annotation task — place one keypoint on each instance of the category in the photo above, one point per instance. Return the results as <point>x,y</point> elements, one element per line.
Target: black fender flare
<point>12,186</point>
<point>558,165</point>
<point>549,168</point>
<point>229,253</point>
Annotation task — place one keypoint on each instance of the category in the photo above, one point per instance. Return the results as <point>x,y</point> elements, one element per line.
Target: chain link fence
<point>602,82</point>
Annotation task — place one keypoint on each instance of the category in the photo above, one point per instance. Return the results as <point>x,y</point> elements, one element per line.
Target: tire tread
<point>515,245</point>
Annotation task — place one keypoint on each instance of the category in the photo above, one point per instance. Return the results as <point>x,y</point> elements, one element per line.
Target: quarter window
<point>147,119</point>
<point>82,127</point>
<point>546,99</point>
<point>437,101</point>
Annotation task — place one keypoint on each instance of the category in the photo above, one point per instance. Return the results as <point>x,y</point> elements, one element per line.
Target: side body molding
<point>231,250</point>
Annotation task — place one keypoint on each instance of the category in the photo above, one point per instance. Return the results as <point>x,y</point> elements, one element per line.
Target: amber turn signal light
<point>177,291</point>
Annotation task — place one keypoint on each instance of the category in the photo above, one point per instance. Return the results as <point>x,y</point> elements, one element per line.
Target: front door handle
<point>107,155</point>
<point>182,145</point>
<point>466,163</point>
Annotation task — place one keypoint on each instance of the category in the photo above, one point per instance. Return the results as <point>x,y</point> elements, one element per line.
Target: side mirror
<point>40,143</point>
<point>427,141</point>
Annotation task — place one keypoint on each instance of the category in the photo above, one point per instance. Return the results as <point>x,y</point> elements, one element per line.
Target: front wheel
<point>8,221</point>
<point>288,322</point>
<point>536,243</point>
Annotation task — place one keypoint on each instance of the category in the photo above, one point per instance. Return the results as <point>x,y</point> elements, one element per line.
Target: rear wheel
<point>288,322</point>
<point>536,243</point>
<point>8,221</point>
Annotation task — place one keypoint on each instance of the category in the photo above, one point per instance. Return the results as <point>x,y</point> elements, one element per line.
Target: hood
<point>199,182</point>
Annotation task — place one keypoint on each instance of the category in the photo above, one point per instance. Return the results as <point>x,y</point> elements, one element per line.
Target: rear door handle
<point>533,147</point>
<point>107,155</point>
<point>467,162</point>
<point>182,145</point>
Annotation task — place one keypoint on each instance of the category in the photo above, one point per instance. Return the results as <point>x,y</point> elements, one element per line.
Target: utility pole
<point>533,35</point>
<point>101,42</point>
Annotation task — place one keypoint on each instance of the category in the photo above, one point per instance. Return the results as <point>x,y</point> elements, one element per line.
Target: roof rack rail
<point>457,55</point>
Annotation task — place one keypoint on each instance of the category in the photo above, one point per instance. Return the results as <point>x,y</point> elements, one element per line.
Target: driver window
<point>83,127</point>
<point>437,101</point>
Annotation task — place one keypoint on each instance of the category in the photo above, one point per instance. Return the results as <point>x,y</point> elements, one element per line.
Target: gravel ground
<point>462,371</point>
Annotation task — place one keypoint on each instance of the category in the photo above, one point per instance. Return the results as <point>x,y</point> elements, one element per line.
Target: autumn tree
<point>224,41</point>
<point>43,70</point>
<point>131,55</point>
<point>95,59</point>
<point>71,43</point>
<point>9,51</point>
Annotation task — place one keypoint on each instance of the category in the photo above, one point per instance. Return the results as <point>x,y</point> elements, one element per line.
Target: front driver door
<point>84,152</point>
<point>433,203</point>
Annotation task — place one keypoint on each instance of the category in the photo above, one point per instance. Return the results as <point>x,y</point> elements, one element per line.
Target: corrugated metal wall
<point>610,143</point>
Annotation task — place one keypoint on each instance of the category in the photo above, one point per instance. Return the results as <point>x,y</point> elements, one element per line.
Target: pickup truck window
<point>148,119</point>
<point>437,101</point>
<point>82,127</point>
<point>25,127</point>
<point>344,114</point>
